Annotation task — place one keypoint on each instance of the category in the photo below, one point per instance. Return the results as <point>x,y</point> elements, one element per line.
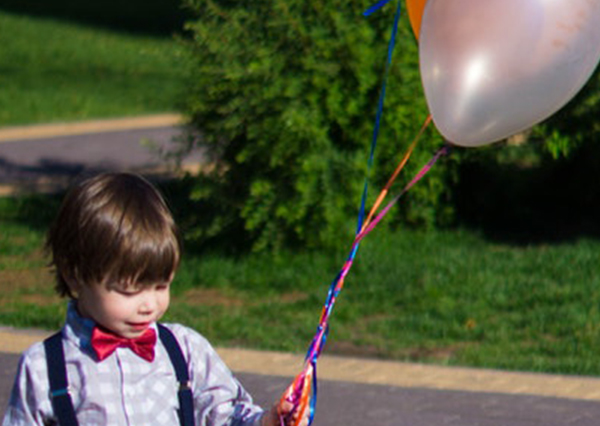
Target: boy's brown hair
<point>113,229</point>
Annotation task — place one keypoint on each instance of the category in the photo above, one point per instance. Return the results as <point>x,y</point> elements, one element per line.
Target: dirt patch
<point>209,297</point>
<point>440,354</point>
<point>40,299</point>
<point>32,286</point>
<point>24,278</point>
<point>292,297</point>
<point>19,279</point>
<point>217,297</point>
<point>346,348</point>
<point>444,353</point>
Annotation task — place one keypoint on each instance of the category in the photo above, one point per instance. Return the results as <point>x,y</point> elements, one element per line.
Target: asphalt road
<point>52,163</point>
<point>353,404</point>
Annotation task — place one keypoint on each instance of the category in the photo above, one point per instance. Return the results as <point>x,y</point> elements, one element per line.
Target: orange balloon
<point>415,14</point>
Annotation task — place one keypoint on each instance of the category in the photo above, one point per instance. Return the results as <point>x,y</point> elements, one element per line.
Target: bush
<point>283,95</point>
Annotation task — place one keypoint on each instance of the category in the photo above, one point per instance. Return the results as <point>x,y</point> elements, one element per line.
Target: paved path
<point>352,392</point>
<point>49,157</point>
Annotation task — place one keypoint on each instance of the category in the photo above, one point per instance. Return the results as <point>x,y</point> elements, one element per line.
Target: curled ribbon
<point>302,393</point>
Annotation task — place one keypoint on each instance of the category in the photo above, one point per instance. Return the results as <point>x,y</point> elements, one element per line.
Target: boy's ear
<point>73,285</point>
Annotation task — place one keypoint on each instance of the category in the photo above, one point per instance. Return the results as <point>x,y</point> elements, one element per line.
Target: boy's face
<point>125,310</point>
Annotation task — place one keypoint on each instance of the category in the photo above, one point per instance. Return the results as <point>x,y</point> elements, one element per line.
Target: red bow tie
<point>105,344</point>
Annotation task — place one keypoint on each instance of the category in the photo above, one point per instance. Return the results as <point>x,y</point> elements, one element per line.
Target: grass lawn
<point>55,70</point>
<point>444,297</point>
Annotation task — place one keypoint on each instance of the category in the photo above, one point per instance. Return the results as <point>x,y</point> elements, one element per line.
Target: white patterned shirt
<point>124,389</point>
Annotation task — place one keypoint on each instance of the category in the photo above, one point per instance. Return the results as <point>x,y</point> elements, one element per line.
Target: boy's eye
<point>126,292</point>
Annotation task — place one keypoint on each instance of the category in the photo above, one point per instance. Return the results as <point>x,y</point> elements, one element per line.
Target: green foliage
<point>574,126</point>
<point>283,96</point>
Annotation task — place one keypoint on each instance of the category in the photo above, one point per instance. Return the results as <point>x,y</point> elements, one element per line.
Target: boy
<point>115,250</point>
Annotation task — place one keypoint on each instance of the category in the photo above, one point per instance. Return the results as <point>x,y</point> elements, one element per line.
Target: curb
<point>377,372</point>
<point>40,131</point>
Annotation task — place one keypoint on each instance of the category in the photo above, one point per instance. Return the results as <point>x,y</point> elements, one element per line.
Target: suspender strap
<point>59,385</point>
<point>186,402</point>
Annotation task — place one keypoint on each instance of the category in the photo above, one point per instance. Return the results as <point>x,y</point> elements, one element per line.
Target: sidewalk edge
<point>41,131</point>
<point>377,372</point>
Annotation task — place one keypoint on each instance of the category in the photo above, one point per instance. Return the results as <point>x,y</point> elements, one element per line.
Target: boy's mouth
<point>139,325</point>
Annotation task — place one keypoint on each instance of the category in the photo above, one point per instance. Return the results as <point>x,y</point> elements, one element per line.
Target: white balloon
<point>492,68</point>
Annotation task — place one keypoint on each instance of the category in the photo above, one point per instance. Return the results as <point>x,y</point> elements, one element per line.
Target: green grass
<point>56,70</point>
<point>448,297</point>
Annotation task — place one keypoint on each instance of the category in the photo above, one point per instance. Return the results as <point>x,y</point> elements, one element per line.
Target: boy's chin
<point>132,334</point>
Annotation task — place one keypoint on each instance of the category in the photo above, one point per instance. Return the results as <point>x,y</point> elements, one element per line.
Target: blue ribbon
<point>379,114</point>
<point>375,7</point>
<point>332,294</point>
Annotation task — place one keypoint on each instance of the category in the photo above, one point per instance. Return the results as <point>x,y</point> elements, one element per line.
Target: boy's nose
<point>148,305</point>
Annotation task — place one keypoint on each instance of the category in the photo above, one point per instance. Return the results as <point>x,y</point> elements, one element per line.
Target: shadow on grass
<point>37,210</point>
<point>155,17</point>
<point>557,201</point>
<point>191,215</point>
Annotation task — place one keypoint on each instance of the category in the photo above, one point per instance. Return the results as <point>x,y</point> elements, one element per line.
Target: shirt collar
<point>78,329</point>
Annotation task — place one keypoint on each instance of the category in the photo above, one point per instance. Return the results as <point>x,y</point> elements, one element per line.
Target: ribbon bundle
<point>303,391</point>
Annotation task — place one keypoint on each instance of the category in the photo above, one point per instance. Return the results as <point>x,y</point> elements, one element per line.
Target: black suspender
<point>59,385</point>
<point>186,403</point>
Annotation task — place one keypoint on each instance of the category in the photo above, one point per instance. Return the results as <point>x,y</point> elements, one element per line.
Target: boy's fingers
<point>285,407</point>
<point>291,413</point>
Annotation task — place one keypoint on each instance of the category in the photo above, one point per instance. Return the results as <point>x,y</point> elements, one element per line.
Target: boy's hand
<point>279,415</point>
